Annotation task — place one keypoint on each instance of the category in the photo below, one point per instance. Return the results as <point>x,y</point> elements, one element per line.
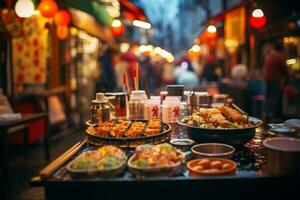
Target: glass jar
<point>136,104</point>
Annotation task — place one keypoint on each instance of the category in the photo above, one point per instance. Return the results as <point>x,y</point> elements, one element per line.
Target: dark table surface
<point>250,179</point>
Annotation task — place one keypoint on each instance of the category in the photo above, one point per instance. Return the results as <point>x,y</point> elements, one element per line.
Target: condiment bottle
<point>136,104</point>
<point>171,109</point>
<point>121,105</point>
<point>100,109</point>
<point>152,109</point>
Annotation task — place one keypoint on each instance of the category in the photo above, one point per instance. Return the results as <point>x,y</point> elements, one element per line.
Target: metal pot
<point>283,155</point>
<point>198,100</point>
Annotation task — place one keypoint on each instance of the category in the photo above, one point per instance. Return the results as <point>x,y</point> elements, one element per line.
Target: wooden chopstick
<point>146,85</point>
<point>135,83</point>
<point>137,76</point>
<point>52,167</point>
<point>124,82</point>
<point>128,87</point>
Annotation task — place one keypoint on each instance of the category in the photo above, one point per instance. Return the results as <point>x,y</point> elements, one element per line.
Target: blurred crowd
<point>253,89</point>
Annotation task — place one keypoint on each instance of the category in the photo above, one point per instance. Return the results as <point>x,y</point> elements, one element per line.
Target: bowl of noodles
<point>220,124</point>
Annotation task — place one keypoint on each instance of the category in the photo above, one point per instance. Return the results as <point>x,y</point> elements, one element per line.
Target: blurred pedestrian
<point>186,76</point>
<point>107,80</point>
<point>275,75</point>
<point>209,72</point>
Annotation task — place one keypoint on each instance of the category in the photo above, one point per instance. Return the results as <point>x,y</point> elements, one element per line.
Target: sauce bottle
<point>100,109</point>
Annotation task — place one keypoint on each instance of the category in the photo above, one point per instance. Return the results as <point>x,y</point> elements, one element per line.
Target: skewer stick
<point>128,86</point>
<point>137,76</point>
<point>110,104</point>
<point>135,83</point>
<point>124,82</point>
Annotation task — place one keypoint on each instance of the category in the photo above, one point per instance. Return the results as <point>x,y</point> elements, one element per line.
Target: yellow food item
<point>216,164</point>
<point>205,163</point>
<point>211,171</point>
<point>226,166</point>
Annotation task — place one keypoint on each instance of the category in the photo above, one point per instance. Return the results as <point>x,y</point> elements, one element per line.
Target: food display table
<point>250,180</point>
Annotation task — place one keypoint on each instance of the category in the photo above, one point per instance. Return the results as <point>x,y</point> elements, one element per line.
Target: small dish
<point>211,167</point>
<point>156,160</point>
<point>184,144</point>
<point>213,150</point>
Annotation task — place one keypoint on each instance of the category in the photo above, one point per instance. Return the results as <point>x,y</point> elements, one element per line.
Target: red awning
<point>131,12</point>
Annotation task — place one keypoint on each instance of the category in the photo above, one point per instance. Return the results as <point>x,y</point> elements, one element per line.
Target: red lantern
<point>62,18</point>
<point>62,32</point>
<point>48,8</point>
<point>257,19</point>
<point>117,28</point>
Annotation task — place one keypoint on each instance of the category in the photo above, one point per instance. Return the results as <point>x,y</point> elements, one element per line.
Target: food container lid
<point>138,92</point>
<point>100,98</point>
<point>285,144</point>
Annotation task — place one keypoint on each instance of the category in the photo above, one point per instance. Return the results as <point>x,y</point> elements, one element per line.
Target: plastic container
<point>152,109</point>
<point>100,109</point>
<point>136,104</point>
<point>171,109</point>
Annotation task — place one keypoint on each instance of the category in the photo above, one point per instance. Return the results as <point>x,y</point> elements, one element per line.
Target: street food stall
<point>174,154</point>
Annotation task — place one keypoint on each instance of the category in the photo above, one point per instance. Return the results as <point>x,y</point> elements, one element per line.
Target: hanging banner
<point>235,26</point>
<point>29,55</point>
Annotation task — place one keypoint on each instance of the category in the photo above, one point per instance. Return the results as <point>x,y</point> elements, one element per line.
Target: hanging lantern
<point>62,18</point>
<point>257,19</point>
<point>48,8</point>
<point>62,32</point>
<point>117,28</point>
<point>24,8</point>
<point>211,32</point>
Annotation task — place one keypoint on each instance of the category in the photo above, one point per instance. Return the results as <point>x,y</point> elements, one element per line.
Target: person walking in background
<point>107,80</point>
<point>209,71</point>
<point>275,75</point>
<point>186,76</point>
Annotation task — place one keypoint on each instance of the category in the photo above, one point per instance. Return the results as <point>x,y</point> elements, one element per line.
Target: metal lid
<point>100,98</point>
<point>138,92</point>
<point>182,142</point>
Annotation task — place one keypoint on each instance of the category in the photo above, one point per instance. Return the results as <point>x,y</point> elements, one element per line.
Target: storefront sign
<point>235,26</point>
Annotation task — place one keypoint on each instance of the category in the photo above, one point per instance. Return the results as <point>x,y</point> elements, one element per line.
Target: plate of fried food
<point>156,160</point>
<point>107,161</point>
<point>221,124</point>
<point>128,133</point>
